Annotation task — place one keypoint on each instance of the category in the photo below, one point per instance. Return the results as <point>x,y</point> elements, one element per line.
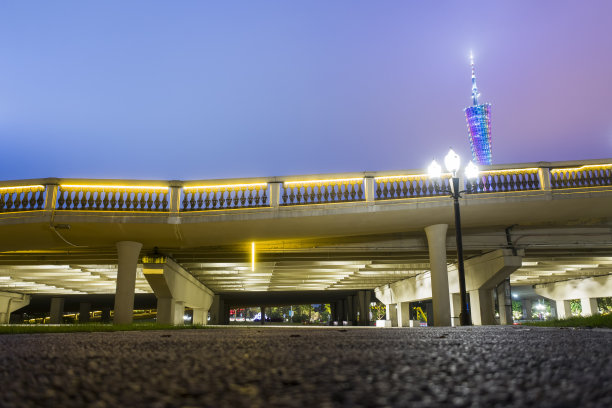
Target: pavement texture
<point>310,367</point>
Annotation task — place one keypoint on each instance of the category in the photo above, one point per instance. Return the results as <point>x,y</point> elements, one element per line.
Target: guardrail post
<point>544,176</point>
<point>175,196</point>
<point>275,194</point>
<point>368,183</point>
<point>51,191</point>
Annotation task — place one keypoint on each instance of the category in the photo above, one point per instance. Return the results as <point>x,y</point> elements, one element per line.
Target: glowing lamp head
<point>471,171</point>
<point>434,170</point>
<point>452,162</point>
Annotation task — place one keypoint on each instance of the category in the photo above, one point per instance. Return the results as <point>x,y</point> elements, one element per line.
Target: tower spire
<point>475,93</point>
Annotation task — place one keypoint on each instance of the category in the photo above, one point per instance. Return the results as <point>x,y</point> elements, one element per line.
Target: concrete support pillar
<point>332,312</point>
<point>526,308</point>
<point>200,317</point>
<point>57,310</point>
<point>403,314</point>
<point>436,239</point>
<point>455,302</point>
<point>481,302</point>
<point>392,314</point>
<point>564,309</point>
<point>263,315</point>
<point>216,310</point>
<point>340,311</point>
<point>127,252</point>
<point>84,310</point>
<point>589,306</point>
<point>170,311</point>
<point>504,301</point>
<point>364,298</point>
<point>10,302</point>
<point>351,313</point>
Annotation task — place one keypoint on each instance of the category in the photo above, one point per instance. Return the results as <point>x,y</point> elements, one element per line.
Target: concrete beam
<point>600,286</point>
<point>176,288</point>
<point>10,302</point>
<point>489,270</point>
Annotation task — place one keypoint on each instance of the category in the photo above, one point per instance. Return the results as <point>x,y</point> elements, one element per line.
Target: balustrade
<point>496,181</point>
<point>112,198</point>
<point>289,193</point>
<point>393,187</point>
<point>22,198</point>
<point>225,197</point>
<point>322,191</point>
<point>585,176</point>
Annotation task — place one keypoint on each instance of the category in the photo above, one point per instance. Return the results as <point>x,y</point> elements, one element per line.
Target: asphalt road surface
<point>310,367</point>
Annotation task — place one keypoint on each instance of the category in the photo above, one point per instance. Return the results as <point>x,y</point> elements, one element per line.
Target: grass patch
<point>588,321</point>
<point>90,328</point>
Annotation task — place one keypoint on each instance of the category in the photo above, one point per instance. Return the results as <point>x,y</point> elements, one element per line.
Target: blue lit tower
<point>479,125</point>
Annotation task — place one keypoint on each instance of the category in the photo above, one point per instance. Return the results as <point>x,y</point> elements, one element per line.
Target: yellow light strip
<point>89,186</point>
<point>252,256</point>
<point>589,166</point>
<point>506,171</point>
<point>413,176</point>
<point>226,186</point>
<point>322,181</point>
<point>23,187</point>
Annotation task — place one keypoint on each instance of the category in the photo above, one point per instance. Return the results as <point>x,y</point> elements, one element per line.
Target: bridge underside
<point>315,265</point>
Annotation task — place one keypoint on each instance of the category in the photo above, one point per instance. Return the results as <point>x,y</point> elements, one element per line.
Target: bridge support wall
<point>10,302</point>
<point>176,288</point>
<point>483,275</point>
<point>587,290</point>
<point>127,252</point>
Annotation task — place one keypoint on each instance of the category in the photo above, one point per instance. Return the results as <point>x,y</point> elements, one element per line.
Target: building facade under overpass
<point>337,238</point>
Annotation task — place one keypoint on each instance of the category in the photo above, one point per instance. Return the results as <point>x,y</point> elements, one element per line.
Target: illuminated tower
<point>479,125</point>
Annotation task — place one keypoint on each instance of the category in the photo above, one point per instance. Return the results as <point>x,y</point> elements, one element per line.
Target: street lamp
<point>452,162</point>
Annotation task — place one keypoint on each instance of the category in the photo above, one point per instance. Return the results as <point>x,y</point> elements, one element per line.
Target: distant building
<point>479,125</point>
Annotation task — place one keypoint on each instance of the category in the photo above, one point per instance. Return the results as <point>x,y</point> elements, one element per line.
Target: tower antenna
<point>475,93</point>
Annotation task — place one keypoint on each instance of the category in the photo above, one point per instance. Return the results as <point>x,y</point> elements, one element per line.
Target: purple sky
<point>194,90</point>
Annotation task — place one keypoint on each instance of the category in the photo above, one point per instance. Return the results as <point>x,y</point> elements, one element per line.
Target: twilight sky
<point>200,90</point>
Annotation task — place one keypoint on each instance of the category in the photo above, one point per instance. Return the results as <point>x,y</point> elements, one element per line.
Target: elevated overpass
<point>211,244</point>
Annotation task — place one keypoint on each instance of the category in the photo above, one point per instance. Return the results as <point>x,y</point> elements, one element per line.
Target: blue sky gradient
<point>200,90</point>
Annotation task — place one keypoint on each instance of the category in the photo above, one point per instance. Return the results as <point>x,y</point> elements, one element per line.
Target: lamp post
<point>452,162</point>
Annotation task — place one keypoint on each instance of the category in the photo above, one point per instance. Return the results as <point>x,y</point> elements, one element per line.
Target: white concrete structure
<point>175,288</point>
<point>483,275</point>
<point>9,302</point>
<point>127,254</point>
<point>352,231</point>
<point>585,289</point>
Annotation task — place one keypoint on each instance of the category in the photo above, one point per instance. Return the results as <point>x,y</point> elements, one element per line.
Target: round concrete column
<point>436,239</point>
<point>127,253</point>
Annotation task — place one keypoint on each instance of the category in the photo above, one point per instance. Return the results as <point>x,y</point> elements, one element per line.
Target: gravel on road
<point>316,367</point>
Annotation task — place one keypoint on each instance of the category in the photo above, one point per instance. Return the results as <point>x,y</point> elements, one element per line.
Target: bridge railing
<point>410,186</point>
<point>494,181</point>
<point>583,176</point>
<point>22,198</point>
<point>322,191</point>
<point>223,197</point>
<point>112,198</point>
<point>193,196</point>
